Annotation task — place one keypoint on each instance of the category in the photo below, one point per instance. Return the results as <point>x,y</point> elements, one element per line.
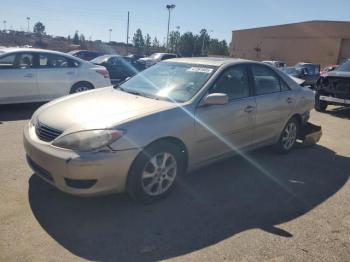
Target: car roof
<point>32,50</point>
<point>211,61</point>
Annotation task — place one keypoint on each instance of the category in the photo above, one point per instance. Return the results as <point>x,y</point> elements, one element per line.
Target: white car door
<point>56,75</point>
<point>18,78</point>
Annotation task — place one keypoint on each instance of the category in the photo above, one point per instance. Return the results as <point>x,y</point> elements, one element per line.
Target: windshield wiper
<point>134,92</point>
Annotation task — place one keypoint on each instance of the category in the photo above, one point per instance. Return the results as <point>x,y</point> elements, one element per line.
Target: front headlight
<point>88,140</point>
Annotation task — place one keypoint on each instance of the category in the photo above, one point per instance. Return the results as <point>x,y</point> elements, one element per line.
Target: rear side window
<point>266,81</point>
<point>7,62</point>
<point>233,82</point>
<point>56,61</point>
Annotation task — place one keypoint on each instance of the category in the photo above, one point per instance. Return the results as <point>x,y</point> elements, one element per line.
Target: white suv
<point>34,75</point>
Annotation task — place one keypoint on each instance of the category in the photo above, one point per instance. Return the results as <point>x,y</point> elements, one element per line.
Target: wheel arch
<point>82,82</point>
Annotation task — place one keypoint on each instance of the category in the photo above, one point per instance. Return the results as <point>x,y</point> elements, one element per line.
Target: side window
<point>55,61</point>
<point>25,60</point>
<point>7,62</point>
<point>266,81</point>
<point>284,86</point>
<point>233,82</point>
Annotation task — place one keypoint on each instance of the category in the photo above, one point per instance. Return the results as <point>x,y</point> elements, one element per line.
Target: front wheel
<point>288,136</point>
<point>154,172</point>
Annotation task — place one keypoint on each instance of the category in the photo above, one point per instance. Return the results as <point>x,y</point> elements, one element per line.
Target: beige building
<point>323,42</point>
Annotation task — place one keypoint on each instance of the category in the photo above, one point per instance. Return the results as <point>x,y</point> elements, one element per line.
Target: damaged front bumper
<point>310,134</point>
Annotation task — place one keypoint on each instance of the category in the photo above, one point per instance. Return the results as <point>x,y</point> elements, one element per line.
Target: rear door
<point>56,75</point>
<point>275,102</point>
<point>18,78</point>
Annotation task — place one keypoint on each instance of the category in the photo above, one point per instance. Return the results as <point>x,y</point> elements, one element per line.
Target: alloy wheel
<point>159,174</point>
<point>289,135</point>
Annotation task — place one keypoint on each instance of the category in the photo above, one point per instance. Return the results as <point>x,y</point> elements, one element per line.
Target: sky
<point>94,18</point>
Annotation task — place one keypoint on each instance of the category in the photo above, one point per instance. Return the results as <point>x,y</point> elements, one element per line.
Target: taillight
<point>103,72</point>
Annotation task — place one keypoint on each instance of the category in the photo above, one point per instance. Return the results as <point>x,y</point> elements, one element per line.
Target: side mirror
<point>215,99</point>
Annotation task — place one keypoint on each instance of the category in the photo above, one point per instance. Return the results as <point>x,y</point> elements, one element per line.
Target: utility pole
<point>127,35</point>
<point>28,19</point>
<point>110,35</point>
<point>169,7</point>
<point>5,24</point>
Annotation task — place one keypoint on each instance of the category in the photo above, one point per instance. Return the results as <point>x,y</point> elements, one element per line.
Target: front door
<point>18,78</point>
<point>222,129</point>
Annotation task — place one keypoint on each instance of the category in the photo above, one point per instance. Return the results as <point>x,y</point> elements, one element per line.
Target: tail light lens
<point>103,72</point>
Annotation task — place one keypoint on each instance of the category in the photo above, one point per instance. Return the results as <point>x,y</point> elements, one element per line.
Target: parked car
<point>33,75</point>
<point>277,64</point>
<point>173,117</point>
<point>333,88</point>
<point>85,54</point>
<point>155,58</point>
<point>310,73</point>
<point>327,69</point>
<point>136,56</point>
<point>119,67</point>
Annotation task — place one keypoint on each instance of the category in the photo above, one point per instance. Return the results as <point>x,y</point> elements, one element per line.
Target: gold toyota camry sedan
<point>174,117</point>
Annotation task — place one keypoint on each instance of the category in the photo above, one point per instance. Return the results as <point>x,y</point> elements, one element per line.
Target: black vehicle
<point>119,67</point>
<point>85,54</point>
<point>309,72</point>
<point>333,88</point>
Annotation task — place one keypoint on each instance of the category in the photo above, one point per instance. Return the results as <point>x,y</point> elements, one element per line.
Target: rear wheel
<point>320,105</point>
<point>154,171</point>
<point>288,136</point>
<point>81,87</point>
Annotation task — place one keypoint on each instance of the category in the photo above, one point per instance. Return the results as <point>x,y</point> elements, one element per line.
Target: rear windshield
<point>344,67</point>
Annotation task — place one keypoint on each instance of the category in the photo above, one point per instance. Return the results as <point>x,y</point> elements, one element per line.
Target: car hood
<point>101,108</point>
<point>337,73</point>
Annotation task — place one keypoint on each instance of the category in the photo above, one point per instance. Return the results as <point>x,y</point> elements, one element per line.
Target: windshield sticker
<point>200,70</point>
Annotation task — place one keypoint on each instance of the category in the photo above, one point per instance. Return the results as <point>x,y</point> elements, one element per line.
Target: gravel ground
<point>296,209</point>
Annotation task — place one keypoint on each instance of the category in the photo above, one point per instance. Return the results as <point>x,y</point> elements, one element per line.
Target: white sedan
<point>35,75</point>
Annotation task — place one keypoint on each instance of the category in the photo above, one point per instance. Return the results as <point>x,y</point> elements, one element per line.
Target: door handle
<point>29,75</point>
<point>289,100</point>
<point>249,109</point>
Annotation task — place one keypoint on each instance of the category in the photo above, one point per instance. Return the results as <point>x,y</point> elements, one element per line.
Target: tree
<point>39,29</point>
<point>174,38</point>
<point>76,39</point>
<point>138,41</point>
<point>187,44</point>
<point>204,40</point>
<point>155,45</point>
<point>217,47</point>
<point>147,44</point>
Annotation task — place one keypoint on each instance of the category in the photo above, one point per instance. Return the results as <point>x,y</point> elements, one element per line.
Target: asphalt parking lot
<point>293,208</point>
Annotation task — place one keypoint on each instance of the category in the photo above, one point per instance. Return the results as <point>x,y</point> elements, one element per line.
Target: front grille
<point>46,133</point>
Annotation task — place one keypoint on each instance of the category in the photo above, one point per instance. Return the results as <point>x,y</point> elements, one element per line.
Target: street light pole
<point>127,34</point>
<point>4,24</point>
<point>169,7</point>
<point>110,35</point>
<point>28,18</point>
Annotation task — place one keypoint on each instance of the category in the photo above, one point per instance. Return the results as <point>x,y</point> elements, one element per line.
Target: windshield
<point>312,69</point>
<point>290,71</point>
<point>99,59</point>
<point>173,81</point>
<point>344,67</point>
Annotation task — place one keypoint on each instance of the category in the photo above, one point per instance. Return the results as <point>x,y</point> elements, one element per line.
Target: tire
<point>81,87</point>
<point>147,180</point>
<point>320,105</point>
<point>288,137</point>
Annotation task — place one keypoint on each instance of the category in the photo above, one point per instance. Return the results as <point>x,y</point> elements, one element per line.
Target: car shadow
<point>207,206</point>
<point>341,112</point>
<point>17,112</point>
